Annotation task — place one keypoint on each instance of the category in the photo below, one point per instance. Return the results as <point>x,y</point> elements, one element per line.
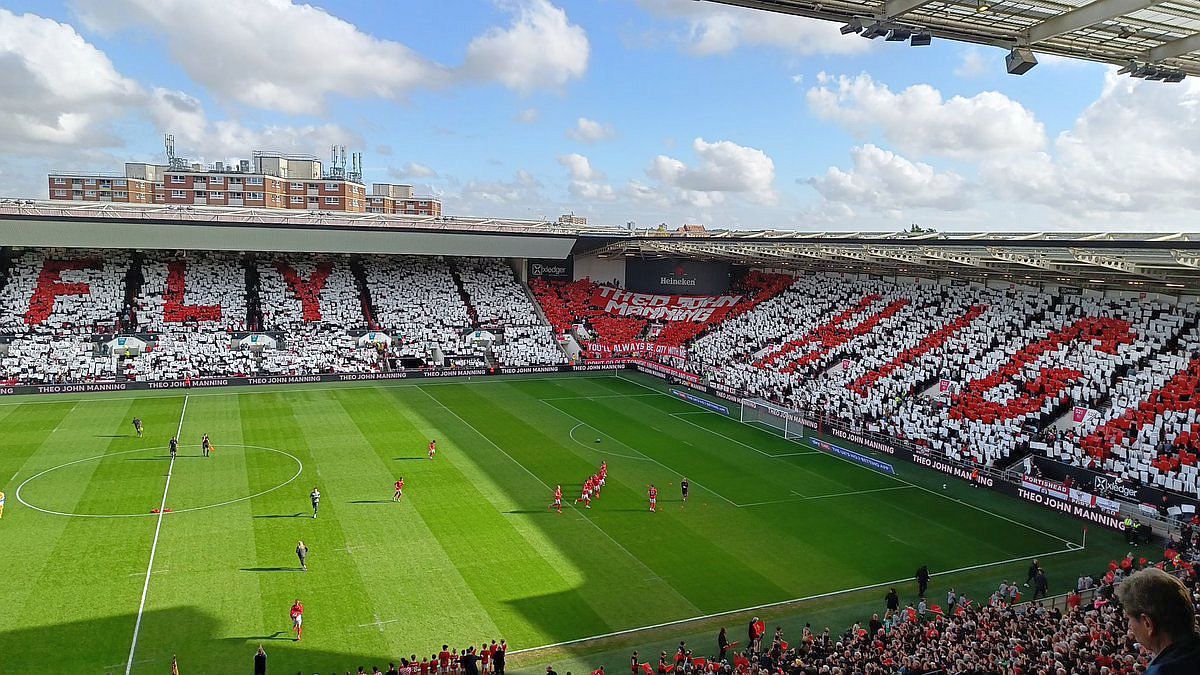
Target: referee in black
<point>683,487</point>
<point>174,446</point>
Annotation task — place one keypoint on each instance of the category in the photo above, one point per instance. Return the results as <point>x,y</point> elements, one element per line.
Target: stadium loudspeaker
<point>1020,60</point>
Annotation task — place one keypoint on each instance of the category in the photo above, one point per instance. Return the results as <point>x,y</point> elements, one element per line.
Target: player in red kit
<point>557,499</point>
<point>297,613</point>
<point>399,490</point>
<point>432,448</point>
<point>653,498</point>
<point>586,497</point>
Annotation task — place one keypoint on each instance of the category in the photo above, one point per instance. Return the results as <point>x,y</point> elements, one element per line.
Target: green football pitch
<point>91,578</point>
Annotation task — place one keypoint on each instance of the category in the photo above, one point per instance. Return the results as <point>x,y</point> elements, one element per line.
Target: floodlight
<point>921,39</point>
<point>898,35</point>
<point>1020,60</point>
<point>873,31</point>
<point>1128,68</point>
<point>1176,76</point>
<point>854,25</point>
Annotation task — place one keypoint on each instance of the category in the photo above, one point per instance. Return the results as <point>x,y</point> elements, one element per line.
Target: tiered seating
<point>417,303</point>
<point>1014,362</point>
<point>501,303</point>
<point>196,291</point>
<point>1151,433</point>
<point>53,303</point>
<point>314,301</point>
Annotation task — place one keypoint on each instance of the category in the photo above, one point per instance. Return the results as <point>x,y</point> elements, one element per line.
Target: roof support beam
<point>1169,50</point>
<point>895,8</point>
<point>1114,263</point>
<point>1084,16</point>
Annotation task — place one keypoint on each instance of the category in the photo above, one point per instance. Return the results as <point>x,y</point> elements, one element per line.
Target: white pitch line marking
<point>648,458</point>
<point>137,627</point>
<point>593,523</point>
<point>861,492</point>
<point>571,433</point>
<point>756,608</point>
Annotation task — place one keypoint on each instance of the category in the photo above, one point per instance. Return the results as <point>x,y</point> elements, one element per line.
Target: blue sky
<point>653,111</point>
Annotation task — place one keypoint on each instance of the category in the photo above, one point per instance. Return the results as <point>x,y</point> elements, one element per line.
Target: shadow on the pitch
<point>277,635</point>
<point>281,515</point>
<point>87,647</point>
<point>271,569</point>
<point>372,501</point>
<point>405,459</point>
<point>112,435</point>
<point>531,511</point>
<point>165,458</point>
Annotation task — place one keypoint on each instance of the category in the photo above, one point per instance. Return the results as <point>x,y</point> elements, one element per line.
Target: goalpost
<point>786,422</point>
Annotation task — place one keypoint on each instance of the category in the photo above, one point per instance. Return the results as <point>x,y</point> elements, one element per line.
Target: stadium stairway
<point>466,297</point>
<point>364,295</point>
<point>134,278</point>
<point>254,320</point>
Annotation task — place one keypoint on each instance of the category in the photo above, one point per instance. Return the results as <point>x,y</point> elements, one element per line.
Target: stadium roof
<point>1167,263</point>
<point>1119,32</point>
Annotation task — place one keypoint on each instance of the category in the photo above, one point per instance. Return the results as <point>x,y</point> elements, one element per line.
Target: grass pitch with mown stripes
<point>472,552</point>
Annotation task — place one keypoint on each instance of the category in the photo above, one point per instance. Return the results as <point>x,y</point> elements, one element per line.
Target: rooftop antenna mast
<point>355,167</point>
<point>173,162</point>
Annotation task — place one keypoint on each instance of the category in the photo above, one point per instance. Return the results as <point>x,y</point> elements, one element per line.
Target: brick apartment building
<point>270,181</point>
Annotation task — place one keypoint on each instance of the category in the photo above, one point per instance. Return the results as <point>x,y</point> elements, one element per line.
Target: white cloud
<point>880,179</point>
<point>586,183</point>
<point>270,53</point>
<point>1135,150</point>
<point>974,65</point>
<point>541,49</point>
<point>528,116</point>
<point>715,29</point>
<point>60,92</point>
<point>723,168</point>
<point>919,121</point>
<point>591,131</point>
<point>195,134</point>
<point>524,190</point>
<point>413,170</point>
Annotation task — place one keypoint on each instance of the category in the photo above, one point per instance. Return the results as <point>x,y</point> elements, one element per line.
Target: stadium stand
<point>502,305</point>
<point>52,304</point>
<point>1015,363</point>
<point>314,301</point>
<point>415,299</point>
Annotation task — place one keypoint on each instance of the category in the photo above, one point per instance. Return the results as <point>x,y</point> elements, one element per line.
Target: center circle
<point>127,481</point>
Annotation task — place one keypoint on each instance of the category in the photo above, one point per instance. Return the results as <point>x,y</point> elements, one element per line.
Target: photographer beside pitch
<point>1163,621</point>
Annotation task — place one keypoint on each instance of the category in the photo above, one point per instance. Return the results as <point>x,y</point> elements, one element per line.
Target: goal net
<point>787,422</point>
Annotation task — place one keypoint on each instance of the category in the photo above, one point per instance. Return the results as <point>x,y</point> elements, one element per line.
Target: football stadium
<point>260,416</point>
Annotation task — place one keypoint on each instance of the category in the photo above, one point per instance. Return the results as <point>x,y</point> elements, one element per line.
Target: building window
<point>91,193</point>
<point>298,199</point>
<point>331,200</point>
<point>178,194</point>
<point>60,193</point>
<point>119,183</point>
<point>331,186</point>
<point>354,203</point>
<point>199,180</point>
<point>217,180</point>
<point>177,179</point>
<point>201,194</point>
<point>141,198</point>
<point>60,181</point>
<point>216,195</point>
<point>297,186</point>
<point>120,195</point>
<point>254,180</point>
<point>254,195</point>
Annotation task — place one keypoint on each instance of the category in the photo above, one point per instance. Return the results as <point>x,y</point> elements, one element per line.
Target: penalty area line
<point>137,627</point>
<point>781,603</point>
